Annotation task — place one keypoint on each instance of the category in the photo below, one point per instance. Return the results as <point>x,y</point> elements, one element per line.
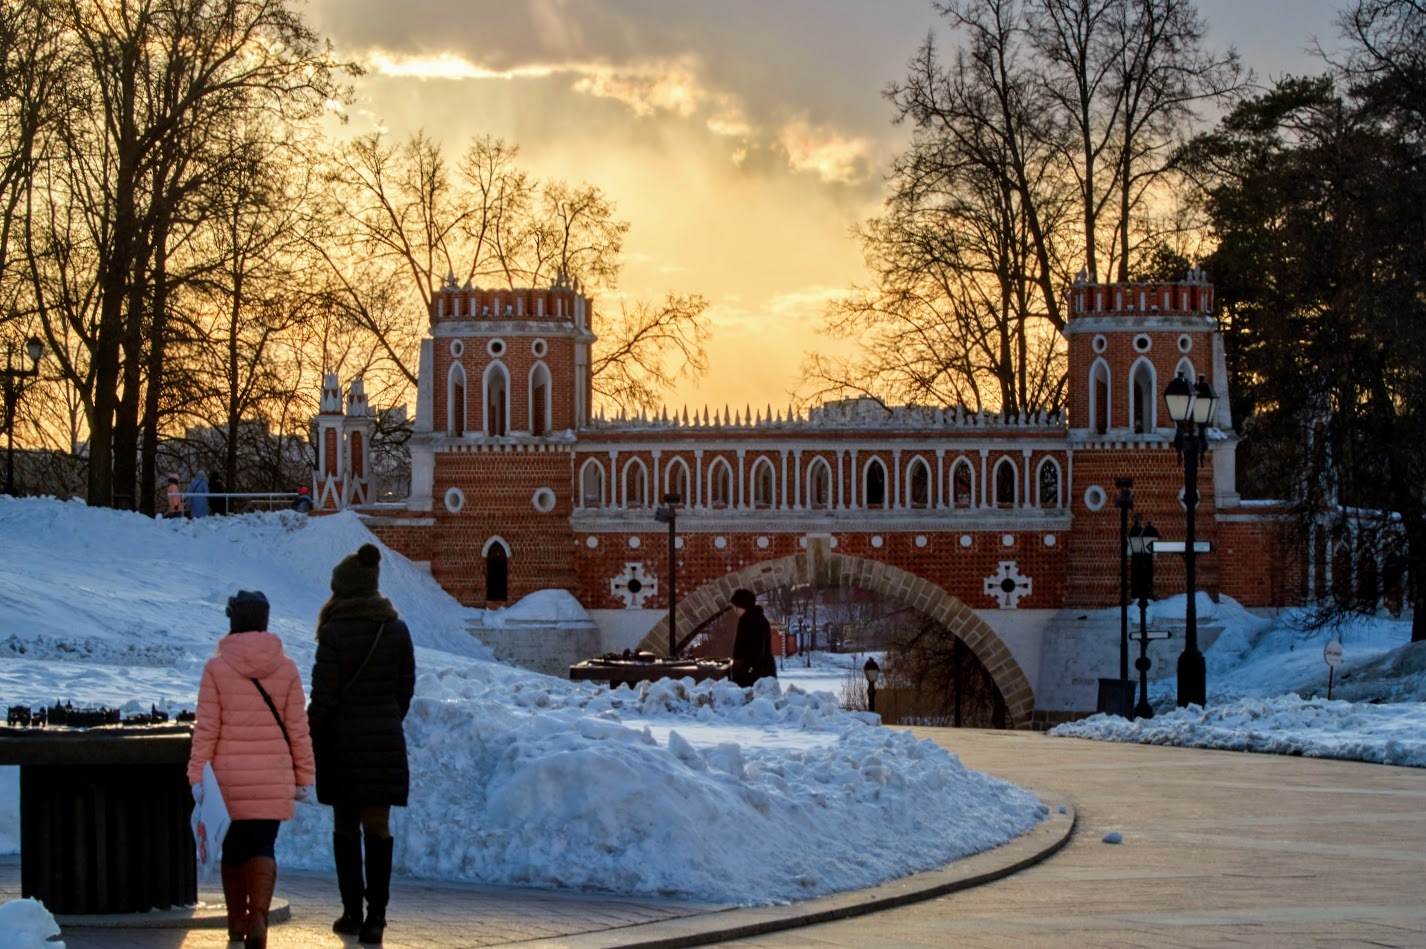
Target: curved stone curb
<point>1028,849</point>
<point>203,916</point>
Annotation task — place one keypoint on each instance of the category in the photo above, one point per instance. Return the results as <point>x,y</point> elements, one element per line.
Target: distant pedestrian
<point>198,496</point>
<point>752,647</point>
<point>252,728</point>
<point>362,682</point>
<point>175,497</point>
<point>218,493</point>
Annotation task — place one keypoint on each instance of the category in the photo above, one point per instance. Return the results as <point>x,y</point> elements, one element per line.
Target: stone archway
<point>819,566</point>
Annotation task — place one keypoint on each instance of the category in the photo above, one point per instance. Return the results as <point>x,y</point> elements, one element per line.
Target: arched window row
<point>765,481</point>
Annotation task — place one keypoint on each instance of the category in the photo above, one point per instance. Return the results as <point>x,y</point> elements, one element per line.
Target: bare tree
<point>413,221</point>
<point>150,83</point>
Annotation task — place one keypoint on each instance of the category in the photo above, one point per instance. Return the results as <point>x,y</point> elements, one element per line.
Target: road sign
<point>1176,546</point>
<point>1332,653</point>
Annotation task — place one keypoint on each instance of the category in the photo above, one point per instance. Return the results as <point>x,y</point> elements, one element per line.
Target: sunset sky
<point>741,139</point>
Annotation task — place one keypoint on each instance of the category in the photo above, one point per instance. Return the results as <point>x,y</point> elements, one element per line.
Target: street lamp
<point>14,389</point>
<point>669,515</point>
<point>1191,408</point>
<point>872,672</point>
<point>1124,502</point>
<point>1141,551</point>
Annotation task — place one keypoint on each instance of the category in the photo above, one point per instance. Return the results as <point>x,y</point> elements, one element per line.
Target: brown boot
<point>235,893</point>
<point>262,878</point>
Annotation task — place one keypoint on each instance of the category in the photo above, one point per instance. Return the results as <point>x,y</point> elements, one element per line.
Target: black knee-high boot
<point>346,850</point>
<point>378,887</point>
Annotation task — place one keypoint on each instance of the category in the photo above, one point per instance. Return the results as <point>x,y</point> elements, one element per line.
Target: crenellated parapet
<point>1192,296</point>
<point>846,415</point>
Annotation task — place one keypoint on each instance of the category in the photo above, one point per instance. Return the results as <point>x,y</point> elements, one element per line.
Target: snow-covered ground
<point>1267,688</point>
<point>710,792</point>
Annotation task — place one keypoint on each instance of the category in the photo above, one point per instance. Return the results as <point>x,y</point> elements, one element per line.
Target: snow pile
<point>26,924</point>
<point>1285,724</point>
<point>1267,687</point>
<point>707,791</point>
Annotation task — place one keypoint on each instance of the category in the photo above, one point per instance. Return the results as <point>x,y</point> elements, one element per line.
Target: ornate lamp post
<point>1191,407</point>
<point>872,672</point>
<point>669,515</point>
<point>1141,550</point>
<point>14,389</point>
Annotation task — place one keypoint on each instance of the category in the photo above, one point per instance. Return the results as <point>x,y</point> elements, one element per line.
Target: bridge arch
<point>822,567</point>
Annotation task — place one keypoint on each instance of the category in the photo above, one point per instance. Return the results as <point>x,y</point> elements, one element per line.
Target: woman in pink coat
<point>252,727</point>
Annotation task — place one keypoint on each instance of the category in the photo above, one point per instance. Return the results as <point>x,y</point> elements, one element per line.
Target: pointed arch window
<point>540,421</point>
<point>1005,483</point>
<point>676,480</point>
<point>497,570</point>
<point>764,490</point>
<point>455,400</point>
<point>720,484</point>
<point>636,484</point>
<point>1185,369</point>
<point>819,484</point>
<point>1048,480</point>
<point>591,484</point>
<point>874,479</point>
<point>918,484</point>
<point>1143,398</point>
<point>1099,397</point>
<point>962,484</point>
<point>497,400</point>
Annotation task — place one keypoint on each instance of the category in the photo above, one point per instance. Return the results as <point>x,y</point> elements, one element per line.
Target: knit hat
<point>247,612</point>
<point>744,598</point>
<point>357,574</point>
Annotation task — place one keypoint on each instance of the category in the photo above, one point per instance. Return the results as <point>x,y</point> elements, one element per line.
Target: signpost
<point>1176,546</point>
<point>1332,655</point>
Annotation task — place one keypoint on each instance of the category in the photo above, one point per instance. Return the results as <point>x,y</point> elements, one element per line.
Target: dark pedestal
<point>633,671</point>
<point>104,817</point>
<point>1116,697</point>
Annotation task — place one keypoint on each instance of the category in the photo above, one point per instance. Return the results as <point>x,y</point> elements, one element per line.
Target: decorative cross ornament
<point>1007,586</point>
<point>633,586</point>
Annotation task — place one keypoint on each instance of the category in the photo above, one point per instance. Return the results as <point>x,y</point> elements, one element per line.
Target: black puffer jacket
<point>356,718</point>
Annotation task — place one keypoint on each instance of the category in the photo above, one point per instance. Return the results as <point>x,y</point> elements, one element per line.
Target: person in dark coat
<point>217,492</point>
<point>362,682</point>
<point>752,647</point>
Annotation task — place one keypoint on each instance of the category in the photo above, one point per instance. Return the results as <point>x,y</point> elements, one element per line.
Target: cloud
<point>833,157</point>
<point>804,302</point>
<point>654,87</point>
<point>448,66</point>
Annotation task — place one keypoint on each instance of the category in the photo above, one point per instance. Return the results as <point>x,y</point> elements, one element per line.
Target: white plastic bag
<point>210,824</point>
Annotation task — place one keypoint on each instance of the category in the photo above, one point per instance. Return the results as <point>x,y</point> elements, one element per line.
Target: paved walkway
<point>1219,848</point>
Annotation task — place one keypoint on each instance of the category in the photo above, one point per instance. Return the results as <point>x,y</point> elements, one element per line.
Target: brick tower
<point>1126,342</point>
<point>504,384</point>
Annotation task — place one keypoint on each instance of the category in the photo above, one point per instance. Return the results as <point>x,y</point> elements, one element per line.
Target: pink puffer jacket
<point>238,732</point>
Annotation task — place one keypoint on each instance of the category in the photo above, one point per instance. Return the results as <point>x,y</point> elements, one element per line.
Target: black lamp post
<point>872,671</point>
<point>669,515</point>
<point>1124,502</point>
<point>1191,407</point>
<point>14,389</point>
<point>1141,550</point>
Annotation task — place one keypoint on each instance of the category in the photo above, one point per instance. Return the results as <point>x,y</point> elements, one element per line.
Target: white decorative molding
<point>633,586</point>
<point>1006,585</point>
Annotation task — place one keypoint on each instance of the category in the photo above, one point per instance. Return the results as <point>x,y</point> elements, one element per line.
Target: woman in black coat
<point>752,647</point>
<point>362,684</point>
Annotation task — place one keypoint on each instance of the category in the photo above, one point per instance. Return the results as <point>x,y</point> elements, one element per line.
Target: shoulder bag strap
<point>268,699</point>
<point>285,737</point>
<point>356,675</point>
